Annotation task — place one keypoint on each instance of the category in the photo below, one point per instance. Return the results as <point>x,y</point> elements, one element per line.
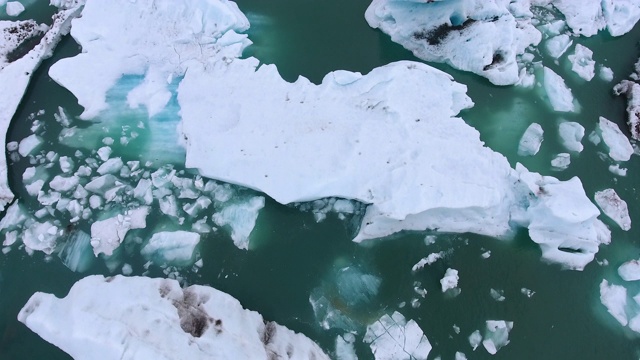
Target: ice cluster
<point>145,318</point>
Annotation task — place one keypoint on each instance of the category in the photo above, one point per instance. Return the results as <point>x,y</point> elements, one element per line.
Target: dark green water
<point>292,254</point>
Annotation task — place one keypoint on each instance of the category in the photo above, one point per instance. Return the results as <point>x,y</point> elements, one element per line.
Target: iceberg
<point>395,338</point>
<point>571,134</point>
<point>496,335</point>
<point>108,234</point>
<point>631,90</point>
<point>582,62</point>
<point>143,318</point>
<point>531,140</point>
<point>389,139</point>
<point>15,76</point>
<point>614,207</point>
<point>450,280</point>
<point>620,148</point>
<point>630,271</point>
<point>175,248</point>
<point>481,36</point>
<point>559,95</point>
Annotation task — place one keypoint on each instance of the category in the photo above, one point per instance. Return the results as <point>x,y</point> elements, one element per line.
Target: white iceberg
<point>144,318</point>
<point>558,45</point>
<point>582,62</point>
<point>450,280</point>
<point>107,234</point>
<point>531,140</point>
<point>620,148</point>
<point>560,96</point>
<point>393,338</point>
<point>614,298</point>
<point>14,8</point>
<point>571,134</point>
<point>587,17</point>
<point>484,37</point>
<point>389,139</point>
<point>630,271</point>
<point>614,207</point>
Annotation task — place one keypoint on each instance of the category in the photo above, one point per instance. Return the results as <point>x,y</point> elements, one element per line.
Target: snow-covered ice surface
<point>614,207</point>
<point>144,318</point>
<point>393,337</point>
<point>15,75</point>
<point>408,156</point>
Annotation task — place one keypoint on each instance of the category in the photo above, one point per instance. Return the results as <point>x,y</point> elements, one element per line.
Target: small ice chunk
<point>34,188</point>
<point>617,170</point>
<point>14,8</point>
<point>527,292</point>
<point>12,146</point>
<point>630,271</point>
<point>614,207</point>
<point>558,45</point>
<point>95,201</point>
<point>475,339</point>
<point>594,138</point>
<point>111,166</point>
<point>582,62</point>
<point>29,144</point>
<point>450,280</point>
<point>430,259</point>
<point>561,162</point>
<point>496,335</point>
<point>620,148</point>
<point>355,287</point>
<point>605,73</point>
<point>486,254</point>
<point>102,184</point>
<point>127,269</point>
<point>104,153</point>
<point>614,298</point>
<point>176,248</point>
<point>531,140</point>
<point>497,295</point>
<point>559,94</point>
<point>66,164</point>
<point>571,134</point>
<point>64,183</point>
<point>41,237</point>
<point>392,337</point>
<point>241,218</point>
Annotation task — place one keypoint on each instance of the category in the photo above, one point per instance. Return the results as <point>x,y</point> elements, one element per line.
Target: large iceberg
<point>15,74</point>
<point>390,138</point>
<point>144,318</point>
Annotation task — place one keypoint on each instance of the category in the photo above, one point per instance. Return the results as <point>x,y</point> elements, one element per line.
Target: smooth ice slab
<point>393,338</point>
<point>630,271</point>
<point>559,94</point>
<point>571,134</point>
<point>143,318</point>
<point>614,207</point>
<point>172,247</point>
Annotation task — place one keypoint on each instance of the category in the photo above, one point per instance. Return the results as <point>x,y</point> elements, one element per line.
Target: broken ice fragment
<point>571,134</point>
<point>582,63</point>
<point>559,94</point>
<point>614,207</point>
<point>14,8</point>
<point>393,338</point>
<point>614,298</point>
<point>241,218</point>
<point>561,162</point>
<point>106,235</point>
<point>450,280</point>
<point>475,339</point>
<point>29,144</point>
<point>630,271</point>
<point>620,148</point>
<point>531,140</point>
<point>172,247</point>
<point>496,335</point>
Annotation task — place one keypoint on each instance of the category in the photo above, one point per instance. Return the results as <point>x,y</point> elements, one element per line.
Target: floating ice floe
<point>367,141</point>
<point>14,8</point>
<point>582,62</point>
<point>430,259</point>
<point>620,148</point>
<point>558,45</point>
<point>614,207</point>
<point>345,347</point>
<point>496,335</point>
<point>631,90</point>
<point>450,280</point>
<point>475,339</point>
<point>559,95</point>
<point>571,134</point>
<point>172,248</point>
<point>561,162</point>
<point>531,140</point>
<point>15,76</point>
<point>393,337</point>
<point>107,234</point>
<point>484,37</point>
<point>630,271</point>
<point>614,298</point>
<point>241,217</point>
<point>605,73</point>
<point>136,317</point>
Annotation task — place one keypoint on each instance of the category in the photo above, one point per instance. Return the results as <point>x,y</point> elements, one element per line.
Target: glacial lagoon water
<point>291,255</point>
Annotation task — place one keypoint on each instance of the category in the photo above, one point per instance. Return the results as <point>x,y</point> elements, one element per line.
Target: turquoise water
<point>291,254</point>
